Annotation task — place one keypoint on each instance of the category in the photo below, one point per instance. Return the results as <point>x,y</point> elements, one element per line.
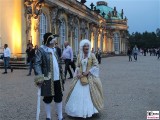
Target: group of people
<point>98,54</point>
<point>85,96</point>
<point>151,51</point>
<point>135,51</point>
<point>31,52</point>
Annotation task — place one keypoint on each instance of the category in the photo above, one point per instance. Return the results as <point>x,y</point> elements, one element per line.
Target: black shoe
<point>11,69</point>
<point>48,119</point>
<point>61,119</point>
<point>29,75</point>
<point>70,77</point>
<point>4,73</point>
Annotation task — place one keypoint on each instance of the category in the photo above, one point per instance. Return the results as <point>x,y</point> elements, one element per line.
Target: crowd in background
<point>66,55</point>
<point>150,51</point>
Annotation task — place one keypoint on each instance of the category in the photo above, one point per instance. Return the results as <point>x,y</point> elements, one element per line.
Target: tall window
<point>116,42</point>
<point>76,40</point>
<point>63,32</point>
<point>43,26</point>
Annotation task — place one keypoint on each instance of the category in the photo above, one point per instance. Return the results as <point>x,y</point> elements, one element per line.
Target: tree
<point>158,32</point>
<point>145,39</point>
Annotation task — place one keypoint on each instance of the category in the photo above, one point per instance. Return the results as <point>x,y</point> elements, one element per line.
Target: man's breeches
<point>58,94</point>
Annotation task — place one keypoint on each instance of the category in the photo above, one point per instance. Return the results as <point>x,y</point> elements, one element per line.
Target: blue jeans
<point>135,56</point>
<point>31,66</point>
<point>130,57</point>
<point>6,63</point>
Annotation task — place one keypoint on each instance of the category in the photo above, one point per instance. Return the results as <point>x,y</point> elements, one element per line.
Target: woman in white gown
<point>85,97</point>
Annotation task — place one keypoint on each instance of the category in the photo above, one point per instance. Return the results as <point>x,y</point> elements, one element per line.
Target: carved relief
<point>53,17</point>
<point>28,27</point>
<point>71,22</point>
<point>83,26</point>
<point>32,9</point>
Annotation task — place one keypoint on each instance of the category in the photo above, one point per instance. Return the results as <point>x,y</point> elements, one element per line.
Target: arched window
<point>43,26</point>
<point>76,36</point>
<point>116,43</point>
<point>63,32</point>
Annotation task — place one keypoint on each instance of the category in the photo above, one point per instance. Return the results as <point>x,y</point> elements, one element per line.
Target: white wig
<point>82,43</point>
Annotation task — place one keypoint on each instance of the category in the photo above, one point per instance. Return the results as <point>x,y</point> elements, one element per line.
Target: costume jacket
<point>43,66</point>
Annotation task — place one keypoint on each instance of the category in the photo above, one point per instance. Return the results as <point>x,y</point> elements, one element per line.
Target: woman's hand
<point>86,73</point>
<point>79,76</point>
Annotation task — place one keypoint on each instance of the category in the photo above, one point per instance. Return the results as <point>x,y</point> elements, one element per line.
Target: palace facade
<point>23,20</point>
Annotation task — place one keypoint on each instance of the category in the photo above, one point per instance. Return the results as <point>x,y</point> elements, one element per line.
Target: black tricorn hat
<point>48,37</point>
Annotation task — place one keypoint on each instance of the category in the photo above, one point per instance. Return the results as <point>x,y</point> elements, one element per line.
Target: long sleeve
<point>77,66</point>
<point>63,54</point>
<point>38,62</point>
<point>71,52</point>
<point>95,67</point>
<point>7,52</point>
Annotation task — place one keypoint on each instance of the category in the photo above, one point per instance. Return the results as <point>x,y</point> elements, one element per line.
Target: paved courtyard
<point>130,89</point>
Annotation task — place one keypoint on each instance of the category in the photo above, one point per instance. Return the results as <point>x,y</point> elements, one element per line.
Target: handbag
<point>84,80</point>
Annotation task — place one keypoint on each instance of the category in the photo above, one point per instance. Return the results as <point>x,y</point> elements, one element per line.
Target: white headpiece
<point>82,43</point>
<point>54,38</point>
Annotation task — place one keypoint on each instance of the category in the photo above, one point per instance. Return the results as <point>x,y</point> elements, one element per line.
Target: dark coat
<point>30,55</point>
<point>42,62</point>
<point>42,67</point>
<point>129,52</point>
<point>59,53</point>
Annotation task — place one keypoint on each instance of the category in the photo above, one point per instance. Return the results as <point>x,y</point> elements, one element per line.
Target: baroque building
<point>25,20</point>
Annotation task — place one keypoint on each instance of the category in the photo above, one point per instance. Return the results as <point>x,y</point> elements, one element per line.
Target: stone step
<point>15,65</point>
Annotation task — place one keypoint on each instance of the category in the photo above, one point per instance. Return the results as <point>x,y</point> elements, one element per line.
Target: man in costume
<point>48,77</point>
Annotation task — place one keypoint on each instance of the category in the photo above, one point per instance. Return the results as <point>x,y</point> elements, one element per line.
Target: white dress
<point>80,103</point>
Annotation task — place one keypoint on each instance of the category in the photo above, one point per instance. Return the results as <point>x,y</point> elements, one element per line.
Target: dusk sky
<point>143,15</point>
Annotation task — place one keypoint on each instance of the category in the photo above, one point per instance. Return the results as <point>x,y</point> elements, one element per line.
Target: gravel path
<point>130,89</point>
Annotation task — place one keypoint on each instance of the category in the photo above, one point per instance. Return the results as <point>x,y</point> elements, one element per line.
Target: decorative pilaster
<point>33,10</point>
<point>71,27</point>
<point>83,29</point>
<point>101,41</point>
<point>53,18</point>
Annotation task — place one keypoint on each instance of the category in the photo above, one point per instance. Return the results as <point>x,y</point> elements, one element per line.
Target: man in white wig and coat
<point>85,97</point>
<point>48,77</point>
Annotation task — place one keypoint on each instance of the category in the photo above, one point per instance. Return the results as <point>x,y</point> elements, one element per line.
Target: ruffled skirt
<point>80,103</point>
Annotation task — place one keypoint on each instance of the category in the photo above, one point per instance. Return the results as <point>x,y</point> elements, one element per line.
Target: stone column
<point>71,39</point>
<point>101,41</point>
<point>112,44</point>
<point>104,43</point>
<point>95,40</point>
<point>120,44</point>
<point>92,40</point>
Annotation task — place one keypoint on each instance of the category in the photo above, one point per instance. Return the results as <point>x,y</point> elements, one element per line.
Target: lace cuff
<point>39,79</point>
<point>94,71</point>
<point>76,72</point>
